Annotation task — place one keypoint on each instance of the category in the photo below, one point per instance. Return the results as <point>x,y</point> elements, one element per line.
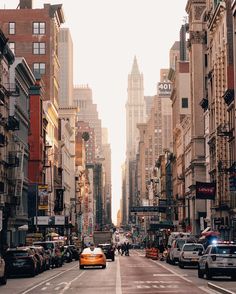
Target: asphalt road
<point>127,275</point>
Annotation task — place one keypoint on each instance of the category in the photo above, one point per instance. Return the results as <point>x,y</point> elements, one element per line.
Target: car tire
<point>81,267</point>
<point>103,266</point>
<point>208,273</point>
<point>181,265</point>
<point>200,273</point>
<point>3,280</point>
<point>34,272</point>
<point>113,258</point>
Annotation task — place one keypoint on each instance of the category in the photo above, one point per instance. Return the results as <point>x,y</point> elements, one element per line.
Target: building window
<point>39,48</point>
<point>39,28</point>
<point>184,102</point>
<point>39,68</point>
<point>12,28</point>
<point>12,46</point>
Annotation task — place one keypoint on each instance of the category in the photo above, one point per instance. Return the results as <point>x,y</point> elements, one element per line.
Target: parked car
<point>95,257</point>
<point>75,252</point>
<point>67,254</point>
<point>20,260</point>
<point>54,248</point>
<point>39,257</point>
<point>175,249</point>
<point>3,276</point>
<point>218,260</point>
<point>189,254</point>
<point>176,246</point>
<point>108,250</point>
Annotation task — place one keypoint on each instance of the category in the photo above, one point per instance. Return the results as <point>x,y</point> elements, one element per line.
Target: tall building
<point>163,94</point>
<point>88,113</point>
<point>135,114</point>
<point>33,34</point>
<point>65,54</point>
<point>135,110</point>
<point>181,170</point>
<point>90,144</point>
<point>149,104</point>
<point>106,151</point>
<point>197,67</point>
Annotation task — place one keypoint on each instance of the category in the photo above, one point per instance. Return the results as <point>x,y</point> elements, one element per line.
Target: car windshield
<point>17,253</point>
<point>192,247</point>
<point>224,250</point>
<point>89,251</point>
<point>46,246</point>
<point>180,243</point>
<point>106,247</point>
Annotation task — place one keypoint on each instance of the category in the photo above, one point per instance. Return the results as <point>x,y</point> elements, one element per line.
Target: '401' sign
<point>164,89</point>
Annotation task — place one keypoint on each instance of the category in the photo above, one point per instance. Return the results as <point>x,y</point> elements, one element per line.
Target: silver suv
<point>218,260</point>
<point>189,254</point>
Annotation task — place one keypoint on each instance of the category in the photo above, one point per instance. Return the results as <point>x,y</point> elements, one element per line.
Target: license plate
<point>18,263</point>
<point>194,259</point>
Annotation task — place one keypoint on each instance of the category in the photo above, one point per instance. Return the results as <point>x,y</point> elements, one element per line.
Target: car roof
<point>191,244</point>
<point>18,249</point>
<point>222,245</point>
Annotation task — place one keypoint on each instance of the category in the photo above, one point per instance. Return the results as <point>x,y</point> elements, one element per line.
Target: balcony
<point>224,130</point>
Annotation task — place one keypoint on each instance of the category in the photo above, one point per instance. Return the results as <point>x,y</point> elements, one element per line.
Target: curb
<point>219,289</point>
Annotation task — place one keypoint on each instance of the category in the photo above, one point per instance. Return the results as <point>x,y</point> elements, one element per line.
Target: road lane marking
<point>156,282</point>
<point>53,277</point>
<point>203,288</point>
<point>69,283</point>
<point>44,288</point>
<point>118,278</point>
<point>167,275</point>
<point>173,272</point>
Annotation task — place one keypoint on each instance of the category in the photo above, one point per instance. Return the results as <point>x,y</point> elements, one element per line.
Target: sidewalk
<point>225,287</point>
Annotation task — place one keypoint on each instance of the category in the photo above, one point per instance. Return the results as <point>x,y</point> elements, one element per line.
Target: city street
<point>127,275</point>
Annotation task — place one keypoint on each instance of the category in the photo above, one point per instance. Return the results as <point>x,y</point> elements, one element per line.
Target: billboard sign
<point>41,220</point>
<point>59,220</point>
<point>43,197</point>
<point>164,89</point>
<point>147,210</point>
<point>205,190</point>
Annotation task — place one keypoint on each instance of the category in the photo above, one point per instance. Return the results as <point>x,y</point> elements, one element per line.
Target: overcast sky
<point>106,36</point>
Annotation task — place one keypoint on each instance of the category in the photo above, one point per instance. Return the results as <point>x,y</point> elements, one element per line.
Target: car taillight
<point>99,255</point>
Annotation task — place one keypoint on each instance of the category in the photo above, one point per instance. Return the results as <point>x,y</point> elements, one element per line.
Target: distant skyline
<point>107,34</point>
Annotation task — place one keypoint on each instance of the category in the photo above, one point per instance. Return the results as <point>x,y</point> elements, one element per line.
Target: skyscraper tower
<point>135,110</point>
<point>135,114</point>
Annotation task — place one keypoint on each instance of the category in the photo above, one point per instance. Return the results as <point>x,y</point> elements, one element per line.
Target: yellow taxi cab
<point>92,256</point>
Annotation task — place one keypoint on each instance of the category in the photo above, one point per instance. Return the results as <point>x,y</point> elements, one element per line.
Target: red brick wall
<point>24,38</point>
